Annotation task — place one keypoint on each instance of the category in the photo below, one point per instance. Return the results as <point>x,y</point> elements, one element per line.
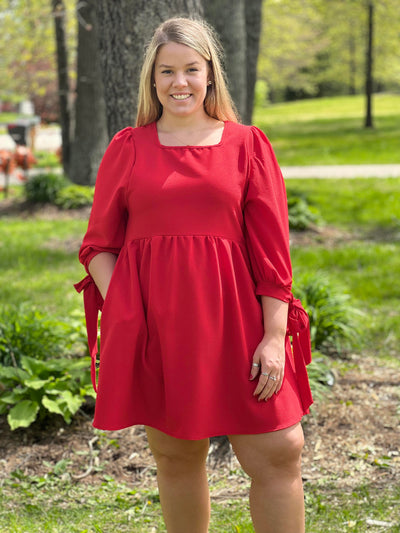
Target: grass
<point>38,263</point>
<point>57,506</point>
<point>366,265</point>
<point>330,131</point>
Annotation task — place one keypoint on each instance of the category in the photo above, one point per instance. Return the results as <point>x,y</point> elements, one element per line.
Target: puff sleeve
<point>106,228</point>
<point>266,221</point>
<point>108,218</point>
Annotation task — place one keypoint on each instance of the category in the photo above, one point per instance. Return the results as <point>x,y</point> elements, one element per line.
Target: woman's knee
<point>261,455</point>
<point>172,454</point>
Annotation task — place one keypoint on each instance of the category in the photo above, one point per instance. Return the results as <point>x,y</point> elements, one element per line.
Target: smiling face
<point>180,75</point>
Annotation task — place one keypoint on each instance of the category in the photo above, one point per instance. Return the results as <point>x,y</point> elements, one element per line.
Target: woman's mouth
<point>181,96</point>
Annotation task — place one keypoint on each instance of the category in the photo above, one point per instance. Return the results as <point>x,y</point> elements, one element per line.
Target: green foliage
<point>320,376</point>
<point>74,197</point>
<point>56,386</point>
<point>334,322</point>
<point>46,159</point>
<point>301,215</point>
<point>28,332</point>
<point>44,188</point>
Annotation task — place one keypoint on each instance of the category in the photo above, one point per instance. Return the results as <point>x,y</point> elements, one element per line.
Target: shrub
<point>334,322</point>
<point>44,188</point>
<point>28,332</point>
<point>74,196</point>
<point>320,375</point>
<point>41,388</point>
<point>301,215</point>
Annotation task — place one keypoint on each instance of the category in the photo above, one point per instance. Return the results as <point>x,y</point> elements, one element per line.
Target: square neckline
<point>220,143</point>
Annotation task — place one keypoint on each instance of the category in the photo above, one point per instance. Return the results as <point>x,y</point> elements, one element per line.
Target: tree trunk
<point>228,19</point>
<point>369,66</point>
<point>90,139</point>
<point>253,12</point>
<point>125,26</point>
<point>58,10</point>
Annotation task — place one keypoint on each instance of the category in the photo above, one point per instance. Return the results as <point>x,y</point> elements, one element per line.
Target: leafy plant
<point>320,376</point>
<point>301,215</point>
<point>44,188</point>
<point>39,388</point>
<point>334,322</point>
<point>27,331</point>
<point>74,196</point>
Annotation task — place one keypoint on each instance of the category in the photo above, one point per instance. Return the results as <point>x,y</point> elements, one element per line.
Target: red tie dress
<point>200,233</point>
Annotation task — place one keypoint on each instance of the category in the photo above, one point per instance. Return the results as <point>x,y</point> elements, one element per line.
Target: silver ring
<point>256,364</point>
<point>274,378</point>
<point>265,374</point>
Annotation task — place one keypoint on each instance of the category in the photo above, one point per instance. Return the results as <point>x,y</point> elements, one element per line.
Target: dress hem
<point>210,434</point>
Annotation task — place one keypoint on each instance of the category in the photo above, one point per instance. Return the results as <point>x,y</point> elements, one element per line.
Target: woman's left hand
<point>269,365</point>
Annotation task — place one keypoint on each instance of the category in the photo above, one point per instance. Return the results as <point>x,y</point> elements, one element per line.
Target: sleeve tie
<point>298,328</point>
<point>93,303</point>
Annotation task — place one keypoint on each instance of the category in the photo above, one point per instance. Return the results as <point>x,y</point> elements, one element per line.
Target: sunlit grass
<point>331,130</point>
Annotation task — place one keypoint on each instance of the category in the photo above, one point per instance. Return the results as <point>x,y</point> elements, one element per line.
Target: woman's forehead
<point>173,54</point>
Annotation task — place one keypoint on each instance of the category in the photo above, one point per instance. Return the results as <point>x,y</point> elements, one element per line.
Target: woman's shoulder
<point>249,135</point>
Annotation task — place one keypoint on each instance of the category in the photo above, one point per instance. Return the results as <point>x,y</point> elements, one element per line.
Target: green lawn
<point>330,131</point>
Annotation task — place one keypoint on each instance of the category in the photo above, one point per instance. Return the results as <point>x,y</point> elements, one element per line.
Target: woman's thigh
<point>170,450</point>
<point>262,453</point>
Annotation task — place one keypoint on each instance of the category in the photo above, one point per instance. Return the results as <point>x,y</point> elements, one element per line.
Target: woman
<point>188,246</point>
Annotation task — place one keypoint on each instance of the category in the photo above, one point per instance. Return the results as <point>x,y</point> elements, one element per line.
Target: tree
<point>125,26</point>
<point>238,25</point>
<point>90,133</point>
<point>253,15</point>
<point>369,65</point>
<point>58,10</point>
<point>229,20</point>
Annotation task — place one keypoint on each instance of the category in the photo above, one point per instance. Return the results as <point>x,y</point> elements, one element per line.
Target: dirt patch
<point>352,437</point>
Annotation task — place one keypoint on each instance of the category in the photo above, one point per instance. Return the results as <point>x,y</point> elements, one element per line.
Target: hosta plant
<point>40,388</point>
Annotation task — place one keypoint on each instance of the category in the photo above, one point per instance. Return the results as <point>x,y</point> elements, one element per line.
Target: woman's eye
<point>166,72</point>
<point>193,70</point>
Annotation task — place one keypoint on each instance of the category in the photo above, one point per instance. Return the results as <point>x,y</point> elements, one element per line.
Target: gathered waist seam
<point>149,237</point>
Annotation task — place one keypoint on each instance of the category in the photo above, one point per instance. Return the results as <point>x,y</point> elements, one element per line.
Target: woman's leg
<point>273,462</point>
<point>182,481</point>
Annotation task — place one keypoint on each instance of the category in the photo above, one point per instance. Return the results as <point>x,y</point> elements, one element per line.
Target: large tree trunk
<point>90,139</point>
<point>125,26</point>
<point>253,12</point>
<point>58,10</point>
<point>369,65</point>
<point>228,19</point>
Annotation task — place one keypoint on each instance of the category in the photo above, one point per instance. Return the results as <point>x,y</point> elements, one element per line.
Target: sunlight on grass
<point>330,130</point>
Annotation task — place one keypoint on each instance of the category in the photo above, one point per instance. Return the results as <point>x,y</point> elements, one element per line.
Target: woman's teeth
<point>180,96</point>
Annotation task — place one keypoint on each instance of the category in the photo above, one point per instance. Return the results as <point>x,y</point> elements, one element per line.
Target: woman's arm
<point>101,268</point>
<point>270,353</point>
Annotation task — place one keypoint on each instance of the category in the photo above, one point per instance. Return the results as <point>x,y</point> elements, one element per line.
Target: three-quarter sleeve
<point>266,221</point>
<point>108,218</point>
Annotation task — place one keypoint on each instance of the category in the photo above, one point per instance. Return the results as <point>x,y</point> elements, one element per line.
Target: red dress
<point>200,232</point>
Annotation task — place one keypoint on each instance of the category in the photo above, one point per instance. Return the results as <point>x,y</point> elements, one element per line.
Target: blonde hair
<point>199,36</point>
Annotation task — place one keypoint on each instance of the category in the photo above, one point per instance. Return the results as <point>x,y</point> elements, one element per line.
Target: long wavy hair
<point>199,36</point>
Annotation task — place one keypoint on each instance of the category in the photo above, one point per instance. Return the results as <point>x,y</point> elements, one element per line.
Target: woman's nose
<point>180,80</point>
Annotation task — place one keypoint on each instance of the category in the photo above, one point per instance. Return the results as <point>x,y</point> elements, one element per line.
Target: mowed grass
<point>364,257</point>
<point>38,263</point>
<point>55,506</point>
<point>330,131</point>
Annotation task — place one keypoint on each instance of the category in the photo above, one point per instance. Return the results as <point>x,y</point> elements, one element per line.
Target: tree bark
<point>125,26</point>
<point>90,139</point>
<point>229,20</point>
<point>369,65</point>
<point>253,12</point>
<point>58,10</point>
